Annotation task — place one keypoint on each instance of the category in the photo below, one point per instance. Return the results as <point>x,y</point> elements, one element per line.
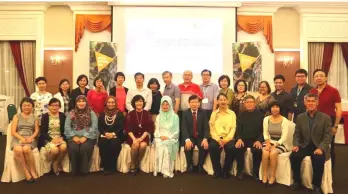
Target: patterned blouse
<point>54,127</point>
<point>41,103</point>
<point>66,100</point>
<point>264,104</point>
<point>238,104</point>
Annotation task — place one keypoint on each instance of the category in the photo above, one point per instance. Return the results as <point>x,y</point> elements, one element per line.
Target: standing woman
<point>166,138</point>
<point>64,96</point>
<point>25,128</point>
<point>240,89</point>
<point>82,82</point>
<point>52,134</point>
<point>138,125</point>
<point>121,92</point>
<point>224,83</point>
<point>154,86</point>
<point>110,125</point>
<point>81,126</point>
<point>41,98</point>
<point>265,99</point>
<point>275,133</point>
<point>96,97</point>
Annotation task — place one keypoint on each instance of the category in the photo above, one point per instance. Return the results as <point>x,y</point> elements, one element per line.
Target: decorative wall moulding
<point>24,6</point>
<point>173,3</point>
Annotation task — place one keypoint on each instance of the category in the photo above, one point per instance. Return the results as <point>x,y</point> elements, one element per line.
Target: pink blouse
<point>121,99</point>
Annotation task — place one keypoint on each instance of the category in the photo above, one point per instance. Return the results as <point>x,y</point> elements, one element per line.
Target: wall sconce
<point>56,60</point>
<point>287,61</point>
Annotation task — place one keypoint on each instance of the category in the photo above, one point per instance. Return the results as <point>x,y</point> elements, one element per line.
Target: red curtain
<point>327,56</point>
<point>344,47</point>
<point>16,52</point>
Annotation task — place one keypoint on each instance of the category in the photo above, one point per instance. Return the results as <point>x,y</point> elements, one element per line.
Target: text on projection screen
<point>154,45</point>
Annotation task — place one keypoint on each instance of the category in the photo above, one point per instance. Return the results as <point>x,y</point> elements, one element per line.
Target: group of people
<point>216,118</point>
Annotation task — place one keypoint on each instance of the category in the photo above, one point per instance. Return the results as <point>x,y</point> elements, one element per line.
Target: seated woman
<point>138,125</point>
<point>110,125</point>
<point>275,133</point>
<point>166,138</point>
<point>52,134</point>
<point>81,128</point>
<point>222,130</point>
<point>25,128</point>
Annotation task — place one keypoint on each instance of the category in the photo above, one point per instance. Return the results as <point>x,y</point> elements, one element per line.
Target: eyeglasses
<point>300,76</point>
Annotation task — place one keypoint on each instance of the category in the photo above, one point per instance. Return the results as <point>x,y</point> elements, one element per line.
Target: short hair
<point>275,103</point>
<point>138,73</point>
<point>311,95</point>
<point>301,71</point>
<point>41,78</point>
<point>249,97</point>
<point>96,79</point>
<point>137,98</point>
<point>120,74</point>
<point>224,77</point>
<point>206,70</point>
<point>221,94</point>
<point>320,70</point>
<point>153,81</point>
<point>54,100</point>
<point>28,100</point>
<point>167,72</point>
<point>80,78</point>
<point>236,85</point>
<point>279,76</point>
<point>267,85</point>
<point>194,97</point>
<point>60,89</point>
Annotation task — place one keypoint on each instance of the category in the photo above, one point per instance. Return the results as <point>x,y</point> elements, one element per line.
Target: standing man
<point>329,103</point>
<point>284,98</point>
<point>140,90</point>
<point>171,90</point>
<point>195,132</point>
<point>188,87</point>
<point>210,92</point>
<point>312,138</point>
<point>299,91</point>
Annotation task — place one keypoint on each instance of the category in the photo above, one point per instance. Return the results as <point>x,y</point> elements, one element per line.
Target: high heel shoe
<point>271,184</point>
<point>30,181</point>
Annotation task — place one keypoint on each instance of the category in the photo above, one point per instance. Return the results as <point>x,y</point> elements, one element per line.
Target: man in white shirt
<point>141,90</point>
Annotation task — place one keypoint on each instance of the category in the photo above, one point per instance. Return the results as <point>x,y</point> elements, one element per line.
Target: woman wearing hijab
<point>110,125</point>
<point>81,127</point>
<point>166,138</point>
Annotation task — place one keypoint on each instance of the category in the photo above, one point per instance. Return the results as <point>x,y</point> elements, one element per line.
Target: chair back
<point>11,112</point>
<point>291,133</point>
<point>9,136</point>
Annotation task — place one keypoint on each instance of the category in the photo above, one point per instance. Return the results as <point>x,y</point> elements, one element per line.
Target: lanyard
<point>205,90</point>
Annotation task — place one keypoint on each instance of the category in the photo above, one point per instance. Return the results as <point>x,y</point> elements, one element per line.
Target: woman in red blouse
<point>138,125</point>
<point>121,92</point>
<point>97,97</point>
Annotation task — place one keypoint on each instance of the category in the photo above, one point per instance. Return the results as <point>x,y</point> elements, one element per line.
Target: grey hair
<point>311,95</point>
<point>167,72</point>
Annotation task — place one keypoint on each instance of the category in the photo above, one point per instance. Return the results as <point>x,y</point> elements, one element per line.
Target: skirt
<point>281,148</point>
<point>51,145</point>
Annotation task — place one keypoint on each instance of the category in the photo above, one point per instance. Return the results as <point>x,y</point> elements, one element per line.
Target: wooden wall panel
<point>289,71</point>
<point>56,72</point>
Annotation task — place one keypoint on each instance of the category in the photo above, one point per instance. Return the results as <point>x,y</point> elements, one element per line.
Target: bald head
<point>187,76</point>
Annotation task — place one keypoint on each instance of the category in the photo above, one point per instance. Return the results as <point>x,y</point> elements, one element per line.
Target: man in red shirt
<point>329,103</point>
<point>188,87</point>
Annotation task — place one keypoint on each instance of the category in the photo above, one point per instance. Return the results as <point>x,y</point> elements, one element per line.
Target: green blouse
<point>230,95</point>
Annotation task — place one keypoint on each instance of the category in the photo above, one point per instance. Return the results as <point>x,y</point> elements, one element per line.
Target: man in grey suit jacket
<point>312,138</point>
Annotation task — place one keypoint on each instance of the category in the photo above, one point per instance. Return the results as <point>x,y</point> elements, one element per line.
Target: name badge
<point>205,100</point>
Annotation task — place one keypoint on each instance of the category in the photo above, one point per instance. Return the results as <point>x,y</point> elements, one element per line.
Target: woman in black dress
<point>154,86</point>
<point>82,82</point>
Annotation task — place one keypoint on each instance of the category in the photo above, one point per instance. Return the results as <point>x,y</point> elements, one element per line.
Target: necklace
<point>110,120</point>
<point>141,118</point>
<point>155,94</point>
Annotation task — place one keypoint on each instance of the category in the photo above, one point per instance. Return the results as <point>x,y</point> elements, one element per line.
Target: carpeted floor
<point>146,183</point>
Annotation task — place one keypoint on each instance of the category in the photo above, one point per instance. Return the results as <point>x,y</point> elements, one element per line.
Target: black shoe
<point>226,175</point>
<point>200,169</point>
<point>240,175</point>
<point>30,181</point>
<point>256,177</point>
<point>317,190</point>
<point>216,175</point>
<point>295,186</point>
<point>190,168</point>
